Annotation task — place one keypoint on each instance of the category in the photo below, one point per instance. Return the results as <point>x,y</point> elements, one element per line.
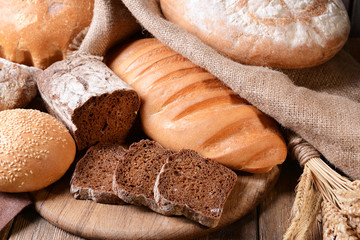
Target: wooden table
<point>268,221</point>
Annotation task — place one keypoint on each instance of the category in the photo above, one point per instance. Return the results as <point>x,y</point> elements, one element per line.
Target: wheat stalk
<point>341,197</point>
<point>335,224</point>
<point>328,181</point>
<point>306,206</point>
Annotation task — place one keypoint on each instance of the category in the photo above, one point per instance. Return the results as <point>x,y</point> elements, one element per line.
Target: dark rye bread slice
<point>193,186</point>
<point>136,173</point>
<point>93,103</point>
<point>93,175</point>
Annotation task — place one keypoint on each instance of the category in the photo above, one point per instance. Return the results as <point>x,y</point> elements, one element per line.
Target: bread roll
<point>35,150</point>
<point>17,84</point>
<point>285,34</point>
<point>183,106</point>
<point>38,33</point>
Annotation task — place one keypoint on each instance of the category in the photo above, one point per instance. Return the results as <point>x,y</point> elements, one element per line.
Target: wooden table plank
<point>274,211</point>
<point>245,228</point>
<point>30,226</point>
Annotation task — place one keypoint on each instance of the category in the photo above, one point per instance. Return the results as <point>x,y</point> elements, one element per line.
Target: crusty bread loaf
<point>38,33</point>
<point>185,107</point>
<point>195,187</point>
<point>17,84</point>
<point>93,175</point>
<point>279,34</point>
<point>35,150</point>
<point>136,172</point>
<point>94,104</point>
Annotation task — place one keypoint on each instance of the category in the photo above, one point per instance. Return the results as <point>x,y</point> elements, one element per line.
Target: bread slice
<point>193,186</point>
<point>136,173</point>
<point>93,175</point>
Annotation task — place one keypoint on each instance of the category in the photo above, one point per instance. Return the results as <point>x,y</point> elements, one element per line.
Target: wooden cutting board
<point>94,220</point>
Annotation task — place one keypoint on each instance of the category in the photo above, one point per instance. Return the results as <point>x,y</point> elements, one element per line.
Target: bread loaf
<point>35,150</point>
<point>279,34</point>
<point>183,106</point>
<point>38,33</point>
<point>195,187</point>
<point>93,175</point>
<point>17,84</point>
<point>94,104</point>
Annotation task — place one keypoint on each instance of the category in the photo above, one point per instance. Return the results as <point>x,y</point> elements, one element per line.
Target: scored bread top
<point>136,173</point>
<point>191,185</point>
<point>185,107</point>
<point>93,176</point>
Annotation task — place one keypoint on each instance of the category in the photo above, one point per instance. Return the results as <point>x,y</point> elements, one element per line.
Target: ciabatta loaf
<point>185,107</point>
<point>279,34</point>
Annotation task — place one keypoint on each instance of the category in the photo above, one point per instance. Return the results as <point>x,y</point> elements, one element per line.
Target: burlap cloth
<point>320,104</point>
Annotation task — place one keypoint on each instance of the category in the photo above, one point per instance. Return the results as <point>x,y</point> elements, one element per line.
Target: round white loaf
<point>35,150</point>
<point>284,34</point>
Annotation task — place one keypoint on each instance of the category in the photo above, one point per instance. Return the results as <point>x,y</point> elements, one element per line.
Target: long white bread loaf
<point>184,106</point>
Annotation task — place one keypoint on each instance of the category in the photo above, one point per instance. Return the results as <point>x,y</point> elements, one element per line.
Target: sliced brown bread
<point>193,186</point>
<point>93,175</point>
<point>93,103</point>
<point>136,173</point>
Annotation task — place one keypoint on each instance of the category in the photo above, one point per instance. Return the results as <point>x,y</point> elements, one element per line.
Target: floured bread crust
<point>93,103</point>
<point>17,84</point>
<point>279,33</point>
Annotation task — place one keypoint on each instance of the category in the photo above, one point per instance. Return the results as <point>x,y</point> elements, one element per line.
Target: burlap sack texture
<point>320,104</point>
<point>111,23</point>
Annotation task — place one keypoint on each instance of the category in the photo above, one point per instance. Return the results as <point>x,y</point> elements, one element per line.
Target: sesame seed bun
<point>35,150</point>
